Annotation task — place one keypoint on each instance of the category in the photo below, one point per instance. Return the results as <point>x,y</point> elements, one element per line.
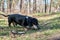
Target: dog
<point>26,21</point>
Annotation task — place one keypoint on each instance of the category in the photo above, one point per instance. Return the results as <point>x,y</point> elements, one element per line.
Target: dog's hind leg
<point>9,23</point>
<point>14,24</point>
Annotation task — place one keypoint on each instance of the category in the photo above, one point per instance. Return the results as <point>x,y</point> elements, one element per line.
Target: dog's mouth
<point>35,27</point>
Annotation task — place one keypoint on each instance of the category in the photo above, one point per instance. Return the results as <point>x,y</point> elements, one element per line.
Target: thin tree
<point>29,6</point>
<point>20,5</point>
<point>50,5</point>
<point>45,6</point>
<point>3,6</point>
<point>10,5</point>
<point>34,6</point>
<point>13,6</point>
<point>0,5</point>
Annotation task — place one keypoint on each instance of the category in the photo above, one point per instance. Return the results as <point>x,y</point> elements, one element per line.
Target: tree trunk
<point>7,6</point>
<point>34,6</point>
<point>0,5</point>
<point>13,7</point>
<point>50,5</point>
<point>45,6</point>
<point>20,5</point>
<point>29,6</point>
<point>10,5</point>
<point>3,6</point>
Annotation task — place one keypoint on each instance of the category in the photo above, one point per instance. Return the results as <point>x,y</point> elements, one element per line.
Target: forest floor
<point>49,24</point>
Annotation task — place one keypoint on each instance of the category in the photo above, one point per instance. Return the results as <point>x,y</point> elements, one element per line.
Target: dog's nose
<point>35,26</point>
<point>38,26</point>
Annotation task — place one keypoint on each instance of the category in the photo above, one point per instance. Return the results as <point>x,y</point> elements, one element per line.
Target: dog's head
<point>32,22</point>
<point>35,23</point>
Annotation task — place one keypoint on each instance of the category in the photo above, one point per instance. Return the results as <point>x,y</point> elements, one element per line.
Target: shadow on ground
<point>44,25</point>
<point>50,24</point>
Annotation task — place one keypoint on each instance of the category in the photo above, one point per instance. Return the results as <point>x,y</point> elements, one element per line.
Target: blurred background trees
<point>29,6</point>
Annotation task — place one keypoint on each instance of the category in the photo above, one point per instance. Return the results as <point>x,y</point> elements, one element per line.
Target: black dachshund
<point>22,20</point>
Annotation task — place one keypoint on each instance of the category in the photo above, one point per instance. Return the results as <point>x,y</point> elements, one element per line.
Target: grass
<point>48,27</point>
<point>46,14</point>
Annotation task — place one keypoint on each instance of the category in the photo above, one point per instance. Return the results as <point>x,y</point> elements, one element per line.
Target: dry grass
<point>45,33</point>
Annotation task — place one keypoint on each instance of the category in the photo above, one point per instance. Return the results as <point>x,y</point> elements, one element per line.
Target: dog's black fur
<point>21,20</point>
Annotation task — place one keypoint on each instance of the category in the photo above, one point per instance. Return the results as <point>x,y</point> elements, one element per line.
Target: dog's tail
<point>4,15</point>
